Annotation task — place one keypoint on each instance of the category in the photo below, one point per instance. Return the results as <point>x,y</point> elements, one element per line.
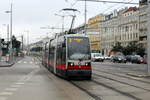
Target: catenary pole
<point>148,38</point>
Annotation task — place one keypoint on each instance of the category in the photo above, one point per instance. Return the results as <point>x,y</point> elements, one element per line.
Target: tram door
<point>51,56</point>
<point>61,58</point>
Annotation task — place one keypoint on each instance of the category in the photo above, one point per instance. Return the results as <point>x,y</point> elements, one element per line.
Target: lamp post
<point>148,38</point>
<point>27,31</point>
<point>85,31</point>
<point>10,11</point>
<point>7,25</point>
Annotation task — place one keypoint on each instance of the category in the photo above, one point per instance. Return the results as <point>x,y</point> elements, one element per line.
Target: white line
<point>15,86</point>
<point>6,93</point>
<point>24,62</point>
<point>19,62</point>
<point>3,98</point>
<point>31,62</point>
<point>11,89</point>
<point>19,83</point>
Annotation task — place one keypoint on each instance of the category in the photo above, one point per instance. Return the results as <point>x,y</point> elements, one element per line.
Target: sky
<point>29,16</point>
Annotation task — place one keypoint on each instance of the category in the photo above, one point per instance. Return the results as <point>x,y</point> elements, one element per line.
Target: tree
<point>16,44</point>
<point>117,47</point>
<point>132,48</point>
<point>140,50</point>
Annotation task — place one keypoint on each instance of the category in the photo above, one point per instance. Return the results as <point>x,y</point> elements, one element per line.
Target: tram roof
<point>75,35</point>
<point>70,35</point>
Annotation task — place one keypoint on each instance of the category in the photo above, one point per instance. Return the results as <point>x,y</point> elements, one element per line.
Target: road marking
<point>11,89</point>
<point>15,86</point>
<point>6,93</point>
<point>33,59</point>
<point>19,83</point>
<point>31,62</point>
<point>3,98</point>
<point>24,62</point>
<point>19,62</point>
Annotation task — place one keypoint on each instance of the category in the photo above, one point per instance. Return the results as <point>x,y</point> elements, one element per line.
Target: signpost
<point>148,38</point>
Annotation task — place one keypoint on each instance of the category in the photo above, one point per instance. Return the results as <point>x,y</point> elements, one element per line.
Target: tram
<point>68,56</point>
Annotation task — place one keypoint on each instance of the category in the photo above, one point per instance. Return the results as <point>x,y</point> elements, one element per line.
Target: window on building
<point>126,28</point>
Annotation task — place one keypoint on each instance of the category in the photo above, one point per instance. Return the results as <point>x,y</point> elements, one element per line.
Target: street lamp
<point>11,6</point>
<point>27,31</point>
<point>10,20</point>
<point>7,25</point>
<point>85,5</point>
<point>148,38</point>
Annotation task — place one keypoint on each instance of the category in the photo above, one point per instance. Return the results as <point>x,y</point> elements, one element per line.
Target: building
<point>128,26</point>
<point>109,32</point>
<point>94,31</point>
<point>121,26</point>
<point>79,29</point>
<point>143,21</point>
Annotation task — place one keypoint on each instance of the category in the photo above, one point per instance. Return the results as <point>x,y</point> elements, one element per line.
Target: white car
<point>97,57</point>
<point>107,57</point>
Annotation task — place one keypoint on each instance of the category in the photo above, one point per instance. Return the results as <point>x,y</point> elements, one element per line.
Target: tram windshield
<point>78,48</point>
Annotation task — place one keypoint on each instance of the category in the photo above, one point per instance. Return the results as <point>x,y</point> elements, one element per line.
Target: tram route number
<point>76,39</point>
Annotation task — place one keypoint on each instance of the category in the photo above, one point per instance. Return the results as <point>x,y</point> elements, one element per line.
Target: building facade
<point>109,31</point>
<point>143,21</point>
<point>121,26</point>
<point>94,31</point>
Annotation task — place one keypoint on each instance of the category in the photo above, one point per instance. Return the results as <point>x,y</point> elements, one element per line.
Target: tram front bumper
<point>79,73</point>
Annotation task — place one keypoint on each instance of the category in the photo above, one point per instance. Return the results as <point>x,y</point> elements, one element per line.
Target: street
<point>29,80</point>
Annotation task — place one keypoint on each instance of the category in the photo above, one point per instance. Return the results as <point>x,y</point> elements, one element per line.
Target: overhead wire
<point>115,6</point>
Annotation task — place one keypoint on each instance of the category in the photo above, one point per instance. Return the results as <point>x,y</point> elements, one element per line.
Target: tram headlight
<point>71,64</point>
<point>87,64</point>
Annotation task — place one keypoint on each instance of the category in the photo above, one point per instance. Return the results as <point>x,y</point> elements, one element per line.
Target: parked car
<point>145,60</point>
<point>137,59</point>
<point>97,57</point>
<point>107,57</point>
<point>128,58</point>
<point>119,59</point>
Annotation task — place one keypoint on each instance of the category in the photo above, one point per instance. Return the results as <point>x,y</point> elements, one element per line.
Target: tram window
<point>51,53</point>
<point>63,55</point>
<point>59,53</point>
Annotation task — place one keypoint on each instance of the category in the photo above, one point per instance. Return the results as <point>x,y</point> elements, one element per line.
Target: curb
<point>138,75</point>
<point>9,65</point>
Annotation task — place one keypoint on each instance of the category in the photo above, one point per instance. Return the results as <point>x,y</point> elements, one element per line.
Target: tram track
<point>97,70</point>
<point>97,83</point>
<point>122,92</point>
<point>117,90</point>
<point>86,91</point>
<point>125,83</point>
<point>128,95</point>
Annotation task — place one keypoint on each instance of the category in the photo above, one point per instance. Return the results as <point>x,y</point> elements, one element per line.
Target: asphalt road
<point>29,80</point>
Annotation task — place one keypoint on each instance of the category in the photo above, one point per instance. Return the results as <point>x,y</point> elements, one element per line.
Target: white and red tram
<point>68,56</point>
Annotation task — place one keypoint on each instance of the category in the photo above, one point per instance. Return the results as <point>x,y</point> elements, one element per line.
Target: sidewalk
<point>6,64</point>
<point>3,63</point>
